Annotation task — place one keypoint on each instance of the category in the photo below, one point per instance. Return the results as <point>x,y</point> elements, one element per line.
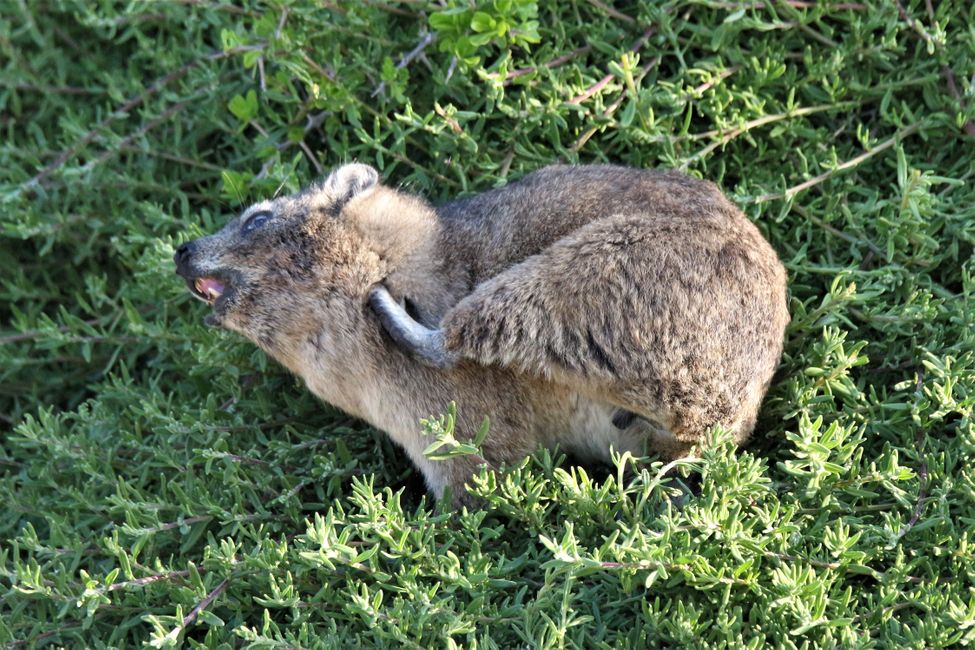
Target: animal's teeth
<point>208,289</point>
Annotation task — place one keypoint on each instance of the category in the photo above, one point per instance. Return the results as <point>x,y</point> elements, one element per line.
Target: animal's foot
<point>422,343</point>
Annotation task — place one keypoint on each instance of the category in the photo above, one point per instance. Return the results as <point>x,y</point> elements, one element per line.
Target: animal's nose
<point>182,253</point>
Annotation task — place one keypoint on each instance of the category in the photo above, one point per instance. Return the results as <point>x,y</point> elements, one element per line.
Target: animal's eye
<point>256,220</point>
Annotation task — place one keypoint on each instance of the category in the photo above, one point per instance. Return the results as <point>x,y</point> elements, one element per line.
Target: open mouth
<point>207,289</point>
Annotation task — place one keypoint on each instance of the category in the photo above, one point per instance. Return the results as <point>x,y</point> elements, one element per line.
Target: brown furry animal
<point>588,307</point>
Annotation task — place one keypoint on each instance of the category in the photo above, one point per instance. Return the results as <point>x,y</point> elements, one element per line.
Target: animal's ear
<point>349,181</point>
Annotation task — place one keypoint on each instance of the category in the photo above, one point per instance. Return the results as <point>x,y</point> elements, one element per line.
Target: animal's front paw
<point>422,343</point>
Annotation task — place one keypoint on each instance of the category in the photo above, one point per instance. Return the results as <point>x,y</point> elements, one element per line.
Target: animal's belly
<point>592,432</point>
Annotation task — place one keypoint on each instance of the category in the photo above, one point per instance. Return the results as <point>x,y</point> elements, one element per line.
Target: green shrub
<point>164,484</point>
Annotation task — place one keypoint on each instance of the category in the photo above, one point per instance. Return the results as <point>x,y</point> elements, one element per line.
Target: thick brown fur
<point>562,300</point>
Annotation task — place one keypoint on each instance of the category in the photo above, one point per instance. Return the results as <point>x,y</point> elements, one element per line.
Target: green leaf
<point>482,22</point>
<point>244,107</point>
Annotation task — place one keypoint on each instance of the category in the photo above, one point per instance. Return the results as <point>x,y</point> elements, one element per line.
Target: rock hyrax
<point>585,306</point>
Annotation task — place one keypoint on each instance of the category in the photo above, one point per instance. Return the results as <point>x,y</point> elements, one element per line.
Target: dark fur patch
<point>411,309</point>
<point>316,341</point>
<point>623,419</point>
<point>557,357</point>
<point>301,254</point>
<point>598,354</point>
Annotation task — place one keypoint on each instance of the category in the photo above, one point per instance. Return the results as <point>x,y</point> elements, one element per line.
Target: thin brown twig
<point>922,470</point>
<point>724,137</point>
<point>328,74</point>
<point>612,108</point>
<point>219,6</point>
<point>611,11</point>
<point>331,6</point>
<point>284,145</point>
<point>203,604</point>
<point>127,140</point>
<point>890,609</point>
<point>669,566</point>
<point>35,641</point>
<point>913,24</point>
<point>189,521</point>
<point>281,22</point>
<point>768,119</point>
<point>946,71</point>
<point>183,160</point>
<point>59,90</point>
<point>246,382</point>
<point>557,61</point>
<point>591,90</point>
<point>200,606</point>
<point>408,58</point>
<point>139,582</point>
<point>794,559</point>
<point>244,460</point>
<point>599,85</point>
<point>506,163</point>
<point>853,162</point>
<point>922,473</point>
<point>873,248</point>
<point>311,158</point>
<point>64,36</point>
<point>385,6</point>
<point>451,122</point>
<point>949,76</point>
<point>708,85</point>
<point>796,4</point>
<point>33,334</point>
<point>126,107</point>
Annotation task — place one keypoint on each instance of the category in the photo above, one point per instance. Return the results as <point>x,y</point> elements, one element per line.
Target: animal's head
<point>296,266</point>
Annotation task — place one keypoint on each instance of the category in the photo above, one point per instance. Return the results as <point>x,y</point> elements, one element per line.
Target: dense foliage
<point>164,483</point>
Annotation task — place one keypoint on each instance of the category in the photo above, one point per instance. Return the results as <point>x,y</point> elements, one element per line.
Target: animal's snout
<point>183,255</point>
<point>184,259</point>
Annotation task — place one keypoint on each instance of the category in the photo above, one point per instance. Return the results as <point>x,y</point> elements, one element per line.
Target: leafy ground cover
<point>164,484</point>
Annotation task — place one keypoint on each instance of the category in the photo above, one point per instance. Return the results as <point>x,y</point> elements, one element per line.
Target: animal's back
<point>645,289</point>
<point>491,231</point>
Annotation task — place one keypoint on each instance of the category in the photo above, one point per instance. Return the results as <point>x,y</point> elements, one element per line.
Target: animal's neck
<point>357,370</point>
<point>373,380</point>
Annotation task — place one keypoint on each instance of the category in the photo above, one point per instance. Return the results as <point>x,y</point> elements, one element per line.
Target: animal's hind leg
<point>577,311</point>
<point>604,311</point>
<point>559,314</point>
